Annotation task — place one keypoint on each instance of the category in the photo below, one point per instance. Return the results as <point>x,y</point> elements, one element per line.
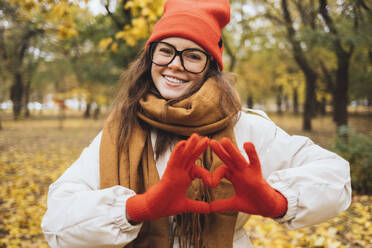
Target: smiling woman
<point>134,185</point>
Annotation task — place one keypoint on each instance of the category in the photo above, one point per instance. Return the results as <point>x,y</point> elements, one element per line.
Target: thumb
<point>222,205</point>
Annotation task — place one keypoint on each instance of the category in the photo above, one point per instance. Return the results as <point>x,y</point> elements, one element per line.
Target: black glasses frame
<point>177,53</point>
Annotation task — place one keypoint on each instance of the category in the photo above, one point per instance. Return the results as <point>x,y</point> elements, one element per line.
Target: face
<point>172,81</point>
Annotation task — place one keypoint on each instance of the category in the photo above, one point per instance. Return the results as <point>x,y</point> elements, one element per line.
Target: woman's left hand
<point>168,196</point>
<point>253,195</point>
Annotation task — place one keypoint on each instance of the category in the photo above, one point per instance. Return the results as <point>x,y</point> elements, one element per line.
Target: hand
<point>168,196</point>
<point>253,195</point>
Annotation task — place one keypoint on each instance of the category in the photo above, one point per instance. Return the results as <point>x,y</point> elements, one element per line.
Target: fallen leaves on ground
<point>350,229</point>
<point>33,154</point>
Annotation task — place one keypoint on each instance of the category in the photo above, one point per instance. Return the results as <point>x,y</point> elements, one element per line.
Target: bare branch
<point>116,20</point>
<point>323,10</point>
<point>301,10</point>
<point>298,52</point>
<point>326,17</point>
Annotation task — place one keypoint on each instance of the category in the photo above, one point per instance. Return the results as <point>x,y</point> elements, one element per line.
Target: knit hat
<point>198,20</point>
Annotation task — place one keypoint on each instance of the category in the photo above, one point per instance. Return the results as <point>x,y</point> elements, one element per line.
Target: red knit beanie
<point>198,20</point>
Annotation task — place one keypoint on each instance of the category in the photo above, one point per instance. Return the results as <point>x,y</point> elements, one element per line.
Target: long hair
<point>136,82</point>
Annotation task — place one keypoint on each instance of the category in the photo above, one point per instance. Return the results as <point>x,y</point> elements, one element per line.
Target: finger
<point>220,151</point>
<point>177,151</point>
<point>191,143</point>
<point>222,205</point>
<point>199,148</point>
<point>252,154</point>
<point>235,155</point>
<point>197,206</point>
<point>218,174</point>
<point>179,146</point>
<point>202,173</point>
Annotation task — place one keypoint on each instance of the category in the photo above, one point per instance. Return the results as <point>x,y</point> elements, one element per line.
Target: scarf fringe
<point>188,227</point>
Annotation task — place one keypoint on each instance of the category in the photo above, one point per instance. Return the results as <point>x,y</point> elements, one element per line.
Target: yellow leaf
<point>103,44</point>
<point>114,47</point>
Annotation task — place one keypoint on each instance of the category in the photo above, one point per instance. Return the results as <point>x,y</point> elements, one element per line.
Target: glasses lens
<point>162,54</point>
<point>194,60</point>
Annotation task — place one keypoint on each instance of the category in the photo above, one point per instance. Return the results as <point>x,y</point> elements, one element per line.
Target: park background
<point>307,63</point>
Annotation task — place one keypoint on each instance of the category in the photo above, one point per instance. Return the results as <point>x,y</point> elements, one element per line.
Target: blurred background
<point>307,63</point>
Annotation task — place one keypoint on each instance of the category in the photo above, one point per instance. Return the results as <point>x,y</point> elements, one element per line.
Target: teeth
<point>174,80</point>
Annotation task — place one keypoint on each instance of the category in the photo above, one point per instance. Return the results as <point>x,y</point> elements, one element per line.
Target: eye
<point>194,55</point>
<point>165,50</point>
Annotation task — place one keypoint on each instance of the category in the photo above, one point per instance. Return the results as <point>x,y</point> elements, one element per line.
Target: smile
<point>175,80</point>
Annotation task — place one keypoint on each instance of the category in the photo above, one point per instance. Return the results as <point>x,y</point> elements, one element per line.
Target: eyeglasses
<point>192,59</point>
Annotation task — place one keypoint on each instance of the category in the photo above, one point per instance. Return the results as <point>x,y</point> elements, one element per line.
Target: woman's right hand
<point>168,196</point>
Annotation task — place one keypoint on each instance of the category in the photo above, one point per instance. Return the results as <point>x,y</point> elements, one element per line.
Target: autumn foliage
<point>35,153</point>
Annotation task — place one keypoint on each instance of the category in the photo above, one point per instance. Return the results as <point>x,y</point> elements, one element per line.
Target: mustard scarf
<point>136,168</point>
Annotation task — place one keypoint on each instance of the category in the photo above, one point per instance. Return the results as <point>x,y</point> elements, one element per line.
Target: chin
<point>171,95</point>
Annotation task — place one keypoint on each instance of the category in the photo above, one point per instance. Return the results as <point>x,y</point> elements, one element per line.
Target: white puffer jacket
<point>316,183</point>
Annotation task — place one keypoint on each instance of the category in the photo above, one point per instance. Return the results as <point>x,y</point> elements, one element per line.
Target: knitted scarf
<point>135,168</point>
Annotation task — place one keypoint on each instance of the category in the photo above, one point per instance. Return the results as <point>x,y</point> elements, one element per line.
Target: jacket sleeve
<point>79,214</point>
<point>316,182</point>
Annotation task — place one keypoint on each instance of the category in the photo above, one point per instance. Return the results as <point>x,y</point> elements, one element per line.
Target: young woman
<point>149,179</point>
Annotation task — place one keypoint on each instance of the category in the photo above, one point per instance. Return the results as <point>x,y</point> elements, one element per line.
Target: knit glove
<point>253,195</point>
<point>168,196</point>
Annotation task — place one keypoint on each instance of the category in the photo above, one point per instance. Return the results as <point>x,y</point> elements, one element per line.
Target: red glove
<point>253,195</point>
<point>168,196</point>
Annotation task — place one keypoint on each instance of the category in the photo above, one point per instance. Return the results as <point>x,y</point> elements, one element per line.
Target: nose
<point>176,63</point>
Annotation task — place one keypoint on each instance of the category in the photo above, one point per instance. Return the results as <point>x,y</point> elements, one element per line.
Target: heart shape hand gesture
<point>253,194</point>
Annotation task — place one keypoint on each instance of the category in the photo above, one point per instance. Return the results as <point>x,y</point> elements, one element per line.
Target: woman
<point>134,185</point>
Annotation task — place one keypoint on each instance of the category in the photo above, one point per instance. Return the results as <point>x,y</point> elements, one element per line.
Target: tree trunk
<point>310,79</point>
<point>342,75</point>
<point>322,109</point>
<point>303,63</point>
<point>369,101</point>
<point>279,100</point>
<point>16,94</point>
<point>279,104</point>
<point>341,96</point>
<point>27,98</point>
<point>87,110</point>
<point>62,114</point>
<point>96,112</point>
<point>250,101</point>
<point>295,101</point>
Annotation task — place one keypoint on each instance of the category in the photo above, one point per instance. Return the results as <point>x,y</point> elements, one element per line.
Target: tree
<point>303,63</point>
<point>22,22</point>
<point>131,23</point>
<point>343,46</point>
